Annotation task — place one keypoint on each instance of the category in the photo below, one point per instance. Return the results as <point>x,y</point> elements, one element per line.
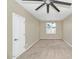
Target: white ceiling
<point>42,15</point>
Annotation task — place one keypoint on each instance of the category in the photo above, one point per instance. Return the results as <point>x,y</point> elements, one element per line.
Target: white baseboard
<point>68,43</point>
<point>31,45</point>
<point>25,49</point>
<point>50,39</point>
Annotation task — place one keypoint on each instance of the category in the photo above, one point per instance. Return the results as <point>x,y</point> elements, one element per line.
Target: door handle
<point>15,39</point>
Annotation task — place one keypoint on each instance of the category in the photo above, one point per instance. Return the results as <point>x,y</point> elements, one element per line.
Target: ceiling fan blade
<point>64,3</point>
<point>47,8</point>
<point>54,6</point>
<point>40,6</point>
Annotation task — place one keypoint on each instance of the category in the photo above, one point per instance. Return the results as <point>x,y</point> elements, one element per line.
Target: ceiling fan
<point>51,2</point>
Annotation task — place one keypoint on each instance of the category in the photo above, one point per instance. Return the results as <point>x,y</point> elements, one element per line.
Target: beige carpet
<point>48,49</point>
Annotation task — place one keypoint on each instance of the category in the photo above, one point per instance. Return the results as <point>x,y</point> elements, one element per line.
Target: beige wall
<point>32,26</point>
<point>32,31</point>
<point>58,34</point>
<point>67,30</point>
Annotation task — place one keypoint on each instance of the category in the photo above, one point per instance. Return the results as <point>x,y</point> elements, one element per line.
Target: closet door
<point>18,34</point>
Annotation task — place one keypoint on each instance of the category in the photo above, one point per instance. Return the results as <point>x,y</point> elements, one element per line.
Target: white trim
<point>51,39</point>
<point>31,45</point>
<point>14,57</point>
<point>67,43</point>
<point>26,49</point>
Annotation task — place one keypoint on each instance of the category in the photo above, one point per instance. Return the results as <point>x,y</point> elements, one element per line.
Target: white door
<point>18,34</point>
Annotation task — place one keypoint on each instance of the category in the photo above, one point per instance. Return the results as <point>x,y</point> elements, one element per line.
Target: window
<point>51,28</point>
